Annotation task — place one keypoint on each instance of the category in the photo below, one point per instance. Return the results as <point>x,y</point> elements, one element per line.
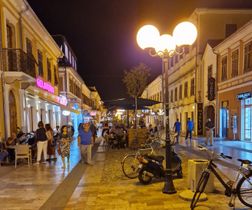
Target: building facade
<point>155,114</point>
<point>33,88</point>
<point>234,81</point>
<point>185,72</point>
<point>29,72</point>
<point>84,101</point>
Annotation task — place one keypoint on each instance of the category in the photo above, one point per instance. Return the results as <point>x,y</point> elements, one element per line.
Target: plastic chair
<point>22,152</point>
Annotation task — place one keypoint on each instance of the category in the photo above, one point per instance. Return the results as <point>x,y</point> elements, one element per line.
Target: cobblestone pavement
<point>104,186</point>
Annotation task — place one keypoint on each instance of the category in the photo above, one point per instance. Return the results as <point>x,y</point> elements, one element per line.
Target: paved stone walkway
<point>104,186</point>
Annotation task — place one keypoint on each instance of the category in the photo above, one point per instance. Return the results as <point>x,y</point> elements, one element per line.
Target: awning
<point>129,103</point>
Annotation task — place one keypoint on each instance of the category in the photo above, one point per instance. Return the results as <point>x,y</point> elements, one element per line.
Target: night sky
<point>102,33</point>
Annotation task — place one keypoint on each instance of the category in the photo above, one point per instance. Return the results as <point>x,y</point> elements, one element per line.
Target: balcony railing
<point>16,60</point>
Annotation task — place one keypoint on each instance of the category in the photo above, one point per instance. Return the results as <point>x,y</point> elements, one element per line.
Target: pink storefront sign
<point>44,85</point>
<point>62,100</point>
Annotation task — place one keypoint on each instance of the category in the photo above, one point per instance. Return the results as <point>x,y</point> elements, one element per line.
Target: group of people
<point>48,141</point>
<point>115,135</point>
<point>209,126</point>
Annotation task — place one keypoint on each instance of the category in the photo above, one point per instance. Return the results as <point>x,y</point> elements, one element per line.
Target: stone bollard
<point>195,169</point>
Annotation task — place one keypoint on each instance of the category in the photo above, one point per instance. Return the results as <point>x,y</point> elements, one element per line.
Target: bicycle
<point>241,186</point>
<point>130,163</point>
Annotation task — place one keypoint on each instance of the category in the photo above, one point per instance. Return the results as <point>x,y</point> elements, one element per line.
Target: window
<point>30,58</point>
<point>49,71</point>
<point>56,80</point>
<point>224,69</point>
<point>172,64</point>
<point>235,56</point>
<point>28,47</point>
<point>176,94</point>
<point>61,84</point>
<point>248,57</point>
<point>40,63</point>
<point>180,92</point>
<point>186,89</point>
<point>192,87</point>
<point>10,36</point>
<point>172,96</point>
<point>209,71</point>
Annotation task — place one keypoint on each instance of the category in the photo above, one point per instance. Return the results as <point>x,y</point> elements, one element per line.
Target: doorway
<point>12,113</point>
<point>223,122</point>
<point>248,119</point>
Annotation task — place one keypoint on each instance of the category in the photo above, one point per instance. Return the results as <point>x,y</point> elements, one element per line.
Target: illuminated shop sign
<point>242,96</point>
<point>62,100</point>
<point>66,112</point>
<point>44,85</point>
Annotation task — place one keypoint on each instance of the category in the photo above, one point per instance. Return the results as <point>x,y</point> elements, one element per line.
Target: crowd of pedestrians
<point>49,142</point>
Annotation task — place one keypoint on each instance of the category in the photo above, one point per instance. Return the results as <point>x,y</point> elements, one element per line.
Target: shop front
<point>235,114</point>
<point>246,116</point>
<point>41,103</point>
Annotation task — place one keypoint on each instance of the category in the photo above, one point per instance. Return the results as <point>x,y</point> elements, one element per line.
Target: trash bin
<point>195,168</point>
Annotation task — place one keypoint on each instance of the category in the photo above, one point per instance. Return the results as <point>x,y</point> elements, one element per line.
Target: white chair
<point>22,152</point>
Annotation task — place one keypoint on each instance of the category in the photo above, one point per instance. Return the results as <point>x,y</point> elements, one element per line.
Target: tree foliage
<point>136,79</point>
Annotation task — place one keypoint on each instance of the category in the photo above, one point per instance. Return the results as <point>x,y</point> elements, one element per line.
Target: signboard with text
<point>242,96</point>
<point>211,89</point>
<point>200,118</point>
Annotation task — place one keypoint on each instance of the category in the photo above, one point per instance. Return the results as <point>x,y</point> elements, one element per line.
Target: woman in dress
<point>64,145</point>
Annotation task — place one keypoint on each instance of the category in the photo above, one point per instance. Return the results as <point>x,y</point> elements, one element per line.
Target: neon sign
<point>44,85</point>
<point>62,100</point>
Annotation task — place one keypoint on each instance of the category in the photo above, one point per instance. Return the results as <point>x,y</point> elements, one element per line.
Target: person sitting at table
<point>3,151</point>
<point>11,141</point>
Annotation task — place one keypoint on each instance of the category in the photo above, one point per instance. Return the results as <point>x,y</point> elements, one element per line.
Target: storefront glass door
<point>223,122</point>
<point>248,119</point>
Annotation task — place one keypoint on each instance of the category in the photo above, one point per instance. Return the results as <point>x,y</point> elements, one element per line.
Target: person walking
<point>93,130</point>
<point>177,128</point>
<point>189,129</point>
<point>209,132</point>
<point>42,142</point>
<point>64,145</point>
<point>51,143</point>
<point>85,143</point>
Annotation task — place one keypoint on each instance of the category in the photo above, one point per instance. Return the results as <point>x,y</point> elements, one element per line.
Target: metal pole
<point>168,185</point>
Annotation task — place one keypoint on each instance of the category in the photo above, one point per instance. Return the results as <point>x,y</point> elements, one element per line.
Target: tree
<point>136,80</point>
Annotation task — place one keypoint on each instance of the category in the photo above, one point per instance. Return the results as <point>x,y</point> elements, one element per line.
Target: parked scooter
<point>151,166</point>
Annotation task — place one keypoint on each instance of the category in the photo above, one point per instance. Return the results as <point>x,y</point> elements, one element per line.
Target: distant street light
<point>166,46</point>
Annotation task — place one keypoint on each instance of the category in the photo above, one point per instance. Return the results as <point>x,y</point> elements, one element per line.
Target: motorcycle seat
<point>158,158</point>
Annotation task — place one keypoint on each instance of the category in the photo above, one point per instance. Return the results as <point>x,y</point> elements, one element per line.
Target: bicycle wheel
<point>200,188</point>
<point>244,190</point>
<point>130,166</point>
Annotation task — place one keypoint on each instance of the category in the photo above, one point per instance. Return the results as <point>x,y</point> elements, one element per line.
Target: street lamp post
<point>166,46</point>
